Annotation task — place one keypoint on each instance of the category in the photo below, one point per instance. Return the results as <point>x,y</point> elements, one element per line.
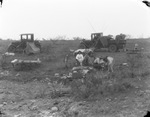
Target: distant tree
<point>123,35</point>
<point>9,39</point>
<point>43,39</point>
<point>110,36</point>
<point>128,36</point>
<point>120,36</point>
<point>77,38</point>
<point>61,37</point>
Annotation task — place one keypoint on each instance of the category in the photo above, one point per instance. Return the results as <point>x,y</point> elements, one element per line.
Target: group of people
<point>86,57</point>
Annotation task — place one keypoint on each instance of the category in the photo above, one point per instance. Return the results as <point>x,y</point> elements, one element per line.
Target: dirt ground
<point>30,93</point>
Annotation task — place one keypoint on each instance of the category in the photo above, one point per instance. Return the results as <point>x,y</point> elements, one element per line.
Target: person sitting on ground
<point>79,58</point>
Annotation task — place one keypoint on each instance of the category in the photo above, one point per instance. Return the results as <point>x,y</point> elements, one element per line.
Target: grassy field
<point>123,93</point>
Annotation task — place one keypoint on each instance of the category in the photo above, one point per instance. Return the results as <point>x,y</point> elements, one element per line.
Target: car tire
<point>11,48</point>
<point>113,48</point>
<point>82,46</point>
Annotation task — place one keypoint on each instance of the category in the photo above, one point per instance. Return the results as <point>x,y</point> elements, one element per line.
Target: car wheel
<point>112,48</point>
<point>11,48</point>
<point>82,46</point>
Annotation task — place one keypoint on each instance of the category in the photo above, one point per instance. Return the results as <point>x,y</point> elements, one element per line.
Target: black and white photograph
<point>74,58</point>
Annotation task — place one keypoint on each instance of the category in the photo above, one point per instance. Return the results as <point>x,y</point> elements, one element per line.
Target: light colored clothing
<point>99,61</point>
<point>80,58</point>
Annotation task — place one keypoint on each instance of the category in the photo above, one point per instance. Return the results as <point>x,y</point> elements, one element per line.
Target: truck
<point>98,41</point>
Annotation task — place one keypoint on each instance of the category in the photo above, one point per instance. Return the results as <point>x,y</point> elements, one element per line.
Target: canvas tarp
<point>31,48</point>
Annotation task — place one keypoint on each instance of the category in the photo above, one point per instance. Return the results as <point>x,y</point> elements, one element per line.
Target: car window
<point>29,37</point>
<point>24,37</point>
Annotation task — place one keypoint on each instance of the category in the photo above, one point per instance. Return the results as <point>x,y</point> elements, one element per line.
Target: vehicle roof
<point>27,34</point>
<point>97,33</point>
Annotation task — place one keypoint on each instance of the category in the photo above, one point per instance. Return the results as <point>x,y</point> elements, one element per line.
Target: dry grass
<point>121,80</point>
<point>52,56</point>
<point>40,85</point>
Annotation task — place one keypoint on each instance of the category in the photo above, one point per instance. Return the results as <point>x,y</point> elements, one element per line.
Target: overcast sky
<point>72,18</point>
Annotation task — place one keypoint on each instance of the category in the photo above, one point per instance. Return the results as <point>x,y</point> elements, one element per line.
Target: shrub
<point>96,84</point>
<point>5,62</point>
<point>102,83</point>
<point>136,63</point>
<point>83,88</point>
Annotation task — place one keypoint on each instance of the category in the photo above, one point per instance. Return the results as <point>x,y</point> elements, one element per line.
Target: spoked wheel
<point>112,48</point>
<point>11,48</point>
<point>82,46</point>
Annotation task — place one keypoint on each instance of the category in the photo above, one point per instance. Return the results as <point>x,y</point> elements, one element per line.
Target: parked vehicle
<point>99,41</point>
<point>20,46</point>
